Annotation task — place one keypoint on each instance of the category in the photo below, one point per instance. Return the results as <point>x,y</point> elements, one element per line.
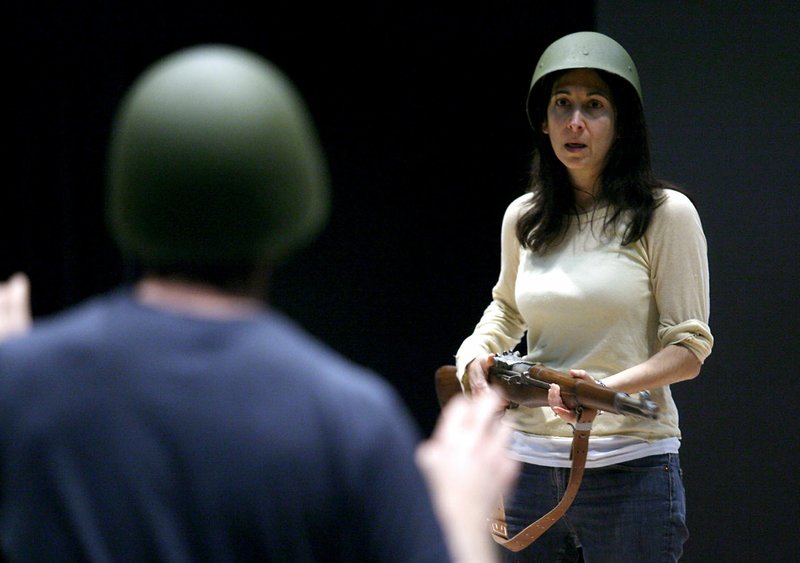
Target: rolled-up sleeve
<point>677,248</point>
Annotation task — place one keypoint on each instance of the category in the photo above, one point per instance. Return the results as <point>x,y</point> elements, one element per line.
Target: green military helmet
<point>214,159</point>
<point>586,49</point>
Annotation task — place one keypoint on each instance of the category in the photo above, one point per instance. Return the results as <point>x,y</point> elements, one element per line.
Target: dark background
<point>420,106</point>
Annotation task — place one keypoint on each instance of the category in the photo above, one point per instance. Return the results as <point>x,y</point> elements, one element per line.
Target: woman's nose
<point>575,121</point>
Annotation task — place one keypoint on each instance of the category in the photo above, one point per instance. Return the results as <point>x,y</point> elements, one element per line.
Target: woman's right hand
<point>477,376</point>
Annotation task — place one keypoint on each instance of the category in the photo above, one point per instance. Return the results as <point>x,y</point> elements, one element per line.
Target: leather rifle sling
<point>580,448</point>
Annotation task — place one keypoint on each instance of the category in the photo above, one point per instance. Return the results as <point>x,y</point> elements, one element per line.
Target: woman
<point>604,267</point>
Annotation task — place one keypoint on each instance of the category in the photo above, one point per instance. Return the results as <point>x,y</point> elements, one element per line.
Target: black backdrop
<point>420,108</point>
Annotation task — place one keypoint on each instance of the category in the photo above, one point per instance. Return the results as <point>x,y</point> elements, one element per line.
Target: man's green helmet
<point>214,159</point>
<point>586,49</point>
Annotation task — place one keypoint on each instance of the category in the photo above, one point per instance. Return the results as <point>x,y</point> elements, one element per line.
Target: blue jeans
<point>630,512</point>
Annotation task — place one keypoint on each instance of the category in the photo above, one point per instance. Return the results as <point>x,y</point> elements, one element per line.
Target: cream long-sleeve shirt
<point>590,303</point>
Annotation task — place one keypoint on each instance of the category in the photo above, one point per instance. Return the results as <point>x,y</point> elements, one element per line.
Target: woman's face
<point>581,121</point>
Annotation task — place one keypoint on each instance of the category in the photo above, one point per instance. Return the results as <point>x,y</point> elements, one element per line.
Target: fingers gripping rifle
<point>526,383</point>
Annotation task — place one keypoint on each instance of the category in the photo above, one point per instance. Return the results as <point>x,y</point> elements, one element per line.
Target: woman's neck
<point>586,189</point>
<point>586,199</point>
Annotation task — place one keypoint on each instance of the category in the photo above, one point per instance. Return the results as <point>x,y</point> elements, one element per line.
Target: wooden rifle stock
<point>447,384</point>
<point>526,383</point>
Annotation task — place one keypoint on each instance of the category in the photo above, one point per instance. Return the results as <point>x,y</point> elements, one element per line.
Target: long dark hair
<point>627,183</point>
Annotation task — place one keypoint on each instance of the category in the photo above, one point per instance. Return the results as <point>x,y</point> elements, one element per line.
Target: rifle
<point>522,382</point>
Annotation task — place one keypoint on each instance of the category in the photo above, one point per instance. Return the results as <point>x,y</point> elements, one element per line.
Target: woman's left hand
<point>557,404</point>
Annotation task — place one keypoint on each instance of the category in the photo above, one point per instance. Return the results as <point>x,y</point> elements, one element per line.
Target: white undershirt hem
<point>551,451</point>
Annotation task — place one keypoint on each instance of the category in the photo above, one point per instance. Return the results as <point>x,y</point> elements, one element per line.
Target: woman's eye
<point>561,102</point>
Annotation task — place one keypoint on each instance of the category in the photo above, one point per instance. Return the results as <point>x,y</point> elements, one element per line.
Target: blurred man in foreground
<point>182,418</point>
